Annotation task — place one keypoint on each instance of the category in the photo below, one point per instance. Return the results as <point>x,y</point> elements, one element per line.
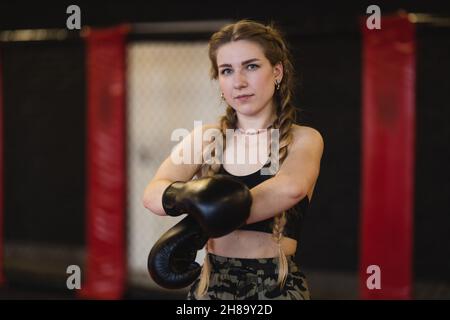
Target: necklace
<point>253,131</point>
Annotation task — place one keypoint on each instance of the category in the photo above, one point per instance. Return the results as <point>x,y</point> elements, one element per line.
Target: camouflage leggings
<point>251,279</point>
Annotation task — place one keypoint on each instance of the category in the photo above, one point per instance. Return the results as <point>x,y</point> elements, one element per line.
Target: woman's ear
<point>278,71</point>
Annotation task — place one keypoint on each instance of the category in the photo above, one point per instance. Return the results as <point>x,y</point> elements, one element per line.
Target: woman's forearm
<point>152,198</point>
<point>271,197</point>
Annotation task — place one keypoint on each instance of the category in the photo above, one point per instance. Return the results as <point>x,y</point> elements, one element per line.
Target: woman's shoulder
<point>307,136</point>
<point>206,131</point>
<point>305,132</point>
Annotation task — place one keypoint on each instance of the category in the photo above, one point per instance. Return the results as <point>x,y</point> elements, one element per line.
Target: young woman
<point>253,66</point>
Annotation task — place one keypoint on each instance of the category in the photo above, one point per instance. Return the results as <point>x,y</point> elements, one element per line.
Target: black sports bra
<point>293,217</point>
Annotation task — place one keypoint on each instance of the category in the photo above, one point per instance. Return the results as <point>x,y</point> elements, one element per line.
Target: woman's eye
<point>252,66</point>
<point>225,71</point>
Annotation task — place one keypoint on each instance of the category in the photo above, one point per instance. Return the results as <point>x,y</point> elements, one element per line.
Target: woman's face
<point>246,77</point>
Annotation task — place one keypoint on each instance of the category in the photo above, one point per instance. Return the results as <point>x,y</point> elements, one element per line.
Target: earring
<point>277,84</point>
<point>222,96</point>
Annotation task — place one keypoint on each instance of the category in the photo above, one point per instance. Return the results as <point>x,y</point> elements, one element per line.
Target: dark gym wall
<point>432,205</point>
<point>44,115</point>
<point>330,94</point>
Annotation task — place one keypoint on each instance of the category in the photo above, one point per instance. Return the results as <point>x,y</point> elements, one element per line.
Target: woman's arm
<point>294,180</point>
<point>170,171</point>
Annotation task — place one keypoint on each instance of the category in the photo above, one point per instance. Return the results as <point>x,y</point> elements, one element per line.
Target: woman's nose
<point>240,80</point>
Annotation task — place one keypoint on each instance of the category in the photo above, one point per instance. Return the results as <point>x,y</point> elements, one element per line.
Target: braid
<point>277,235</point>
<point>228,121</point>
<point>284,122</point>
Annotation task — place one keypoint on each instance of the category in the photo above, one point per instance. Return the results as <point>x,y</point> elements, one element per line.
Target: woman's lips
<point>244,97</point>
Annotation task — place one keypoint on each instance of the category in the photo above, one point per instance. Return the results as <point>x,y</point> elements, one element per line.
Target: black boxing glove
<point>171,262</point>
<point>220,203</point>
